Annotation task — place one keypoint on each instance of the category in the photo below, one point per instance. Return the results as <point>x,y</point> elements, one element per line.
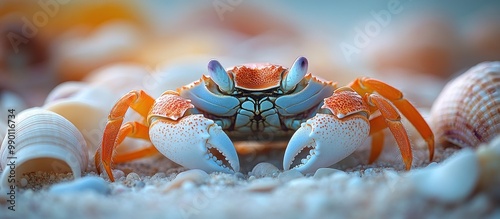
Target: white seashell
<point>195,176</point>
<point>264,170</point>
<point>65,90</point>
<point>451,181</point>
<point>44,141</point>
<point>85,184</point>
<point>86,106</point>
<point>466,113</point>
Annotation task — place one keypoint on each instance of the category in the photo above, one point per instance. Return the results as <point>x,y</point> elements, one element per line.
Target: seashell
<point>467,112</point>
<point>451,181</point>
<point>195,176</point>
<point>264,169</point>
<point>86,106</point>
<point>44,141</point>
<point>65,90</point>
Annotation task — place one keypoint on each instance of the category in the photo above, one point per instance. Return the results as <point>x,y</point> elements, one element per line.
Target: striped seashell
<point>467,112</point>
<point>44,141</point>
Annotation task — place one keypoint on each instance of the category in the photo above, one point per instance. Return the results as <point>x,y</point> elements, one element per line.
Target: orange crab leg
<point>377,146</point>
<point>140,102</point>
<point>377,124</point>
<point>369,85</point>
<point>134,130</point>
<point>393,121</point>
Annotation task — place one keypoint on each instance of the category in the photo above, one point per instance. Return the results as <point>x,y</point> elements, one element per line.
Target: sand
<point>157,188</point>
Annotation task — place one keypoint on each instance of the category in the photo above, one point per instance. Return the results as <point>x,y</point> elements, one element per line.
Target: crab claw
<point>195,142</point>
<point>324,140</point>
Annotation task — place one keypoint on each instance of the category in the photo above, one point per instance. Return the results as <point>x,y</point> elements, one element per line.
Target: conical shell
<point>87,108</point>
<point>88,104</point>
<point>43,141</point>
<point>467,112</point>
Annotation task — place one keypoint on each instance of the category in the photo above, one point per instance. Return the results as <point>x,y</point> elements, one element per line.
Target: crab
<point>193,126</point>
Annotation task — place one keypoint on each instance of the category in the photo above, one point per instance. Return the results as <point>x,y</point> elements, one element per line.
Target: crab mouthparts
<point>303,156</point>
<point>218,157</point>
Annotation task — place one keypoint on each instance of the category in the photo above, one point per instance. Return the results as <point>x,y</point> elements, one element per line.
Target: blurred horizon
<point>341,39</point>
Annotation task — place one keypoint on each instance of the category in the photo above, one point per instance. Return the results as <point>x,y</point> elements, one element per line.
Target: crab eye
<point>220,76</point>
<point>295,74</point>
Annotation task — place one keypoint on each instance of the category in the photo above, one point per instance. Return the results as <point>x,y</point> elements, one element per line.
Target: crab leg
<point>140,102</point>
<point>134,130</point>
<point>393,121</point>
<point>376,147</point>
<point>377,124</point>
<point>369,85</point>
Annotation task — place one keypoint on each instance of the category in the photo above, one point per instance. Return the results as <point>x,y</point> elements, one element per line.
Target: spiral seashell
<point>467,112</point>
<point>43,141</point>
<point>86,106</point>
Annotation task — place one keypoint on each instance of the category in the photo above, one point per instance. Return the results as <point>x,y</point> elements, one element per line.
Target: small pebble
<point>24,182</point>
<point>264,169</point>
<point>324,172</point>
<point>117,174</point>
<point>451,181</point>
<point>133,176</point>
<point>239,175</point>
<point>195,175</point>
<point>289,175</point>
<point>89,183</point>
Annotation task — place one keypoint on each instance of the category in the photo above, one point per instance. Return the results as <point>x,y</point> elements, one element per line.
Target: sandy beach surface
<point>158,188</point>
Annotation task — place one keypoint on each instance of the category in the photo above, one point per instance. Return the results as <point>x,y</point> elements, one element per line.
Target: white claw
<point>323,141</point>
<point>195,142</point>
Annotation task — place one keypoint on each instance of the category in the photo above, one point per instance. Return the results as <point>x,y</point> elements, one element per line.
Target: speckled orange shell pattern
<point>170,105</point>
<point>345,103</point>
<point>467,112</point>
<point>257,76</point>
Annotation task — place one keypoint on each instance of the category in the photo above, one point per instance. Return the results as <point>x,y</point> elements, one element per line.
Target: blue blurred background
<point>47,42</point>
